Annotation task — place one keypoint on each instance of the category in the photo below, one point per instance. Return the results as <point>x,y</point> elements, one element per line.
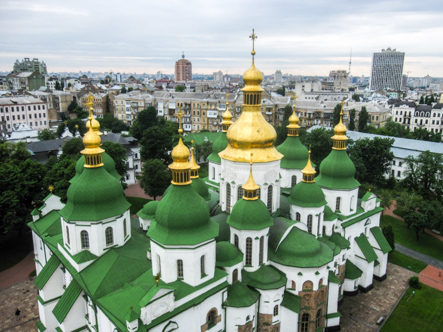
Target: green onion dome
<point>241,296</point>
<point>148,210</point>
<point>294,152</point>
<point>335,249</point>
<point>227,254</point>
<point>201,188</point>
<point>108,162</point>
<point>182,218</point>
<point>305,194</point>
<point>339,240</point>
<point>301,249</point>
<point>251,215</point>
<point>94,196</point>
<point>337,171</point>
<point>218,146</point>
<point>266,277</point>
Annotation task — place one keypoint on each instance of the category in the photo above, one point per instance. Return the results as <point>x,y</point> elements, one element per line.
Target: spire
<point>293,126</point>
<point>194,166</point>
<point>253,37</point>
<point>180,166</point>
<point>308,172</point>
<point>92,122</point>
<point>250,187</point>
<point>92,150</point>
<point>340,138</point>
<point>227,116</point>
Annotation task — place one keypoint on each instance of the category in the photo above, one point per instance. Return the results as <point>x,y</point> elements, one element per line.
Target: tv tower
<point>350,58</point>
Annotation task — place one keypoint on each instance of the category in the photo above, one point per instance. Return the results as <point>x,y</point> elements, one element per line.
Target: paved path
<point>432,277</point>
<point>134,190</point>
<point>18,272</point>
<point>418,255</point>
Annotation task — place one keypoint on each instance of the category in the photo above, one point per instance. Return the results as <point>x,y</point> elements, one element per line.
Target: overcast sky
<point>308,37</point>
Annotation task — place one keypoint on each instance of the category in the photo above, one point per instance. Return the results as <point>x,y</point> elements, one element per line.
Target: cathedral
<point>278,251</point>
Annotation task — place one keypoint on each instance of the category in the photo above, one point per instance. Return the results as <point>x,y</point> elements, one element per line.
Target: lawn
<point>423,311</point>
<point>427,244</point>
<point>137,203</point>
<point>407,262</point>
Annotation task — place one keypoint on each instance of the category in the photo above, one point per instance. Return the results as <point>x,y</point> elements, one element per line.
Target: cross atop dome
<point>253,37</point>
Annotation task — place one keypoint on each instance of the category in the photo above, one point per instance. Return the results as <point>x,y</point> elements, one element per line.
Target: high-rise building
<point>183,69</point>
<point>27,65</point>
<point>278,77</point>
<point>387,69</point>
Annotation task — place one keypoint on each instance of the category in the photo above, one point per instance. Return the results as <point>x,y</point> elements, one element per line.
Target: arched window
<point>262,244</point>
<point>211,317</point>
<point>337,204</point>
<point>239,193</point>
<point>85,239</point>
<point>228,197</point>
<point>304,323</point>
<point>179,268</point>
<point>269,204</point>
<point>276,310</point>
<point>213,173</point>
<point>248,251</point>
<point>318,318</point>
<point>202,266</point>
<point>235,275</point>
<point>293,180</point>
<point>68,240</point>
<point>293,286</point>
<point>352,203</point>
<point>310,224</point>
<point>297,216</point>
<point>236,241</point>
<point>259,193</point>
<point>125,231</point>
<point>308,285</point>
<point>109,236</point>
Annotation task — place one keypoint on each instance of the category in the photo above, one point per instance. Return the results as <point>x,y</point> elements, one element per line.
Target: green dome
<point>294,152</point>
<point>307,195</point>
<point>182,218</point>
<point>241,296</point>
<point>227,254</point>
<point>200,187</point>
<point>339,240</point>
<point>337,171</point>
<point>218,146</point>
<point>148,210</point>
<point>108,162</point>
<point>266,277</point>
<point>224,231</point>
<point>252,215</point>
<point>301,249</point>
<point>325,240</point>
<point>328,214</point>
<point>96,195</point>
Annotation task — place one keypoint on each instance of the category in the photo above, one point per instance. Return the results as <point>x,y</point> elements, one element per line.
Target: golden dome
<point>194,166</point>
<point>340,138</point>
<point>252,79</point>
<point>94,124</point>
<point>309,171</point>
<point>92,151</point>
<point>250,187</point>
<point>180,154</point>
<point>91,140</point>
<point>227,116</point>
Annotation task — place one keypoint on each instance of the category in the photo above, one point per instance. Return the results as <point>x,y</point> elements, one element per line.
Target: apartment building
<point>25,81</point>
<point>27,65</point>
<point>100,103</point>
<point>183,70</point>
<point>126,106</point>
<point>387,70</point>
<point>26,109</point>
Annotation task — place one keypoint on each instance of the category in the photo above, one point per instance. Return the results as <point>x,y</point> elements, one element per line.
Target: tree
<point>356,97</point>
<point>372,159</point>
<point>407,203</point>
<point>108,122</point>
<point>320,142</point>
<point>72,106</point>
<point>179,88</point>
<point>433,210</point>
<point>60,129</point>
<point>76,125</point>
<point>123,90</point>
<point>156,144</point>
<point>155,178</point>
<point>363,120</point>
<point>351,125</point>
<point>388,232</point>
<point>422,100</point>
<point>281,91</point>
<point>287,112</point>
<point>81,113</point>
<point>72,148</point>
<point>130,89</point>
<point>337,111</point>
<point>59,175</point>
<point>417,221</point>
<point>45,135</point>
<point>203,150</point>
<point>146,118</point>
<point>58,86</point>
<point>118,153</point>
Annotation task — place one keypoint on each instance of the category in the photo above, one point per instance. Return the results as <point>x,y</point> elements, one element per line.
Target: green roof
<point>328,214</point>
<point>325,239</point>
<point>227,254</point>
<point>47,225</point>
<point>84,256</point>
<point>200,187</point>
<point>381,240</point>
<point>250,215</point>
<point>67,300</point>
<point>352,272</point>
<point>295,154</point>
<point>148,210</point>
<point>96,195</point>
<point>291,302</point>
<point>241,296</point>
<point>213,184</point>
<point>224,231</point>
<point>47,271</point>
<point>361,217</point>
<point>277,231</point>
<point>300,249</point>
<point>366,248</point>
<point>182,218</point>
<point>337,171</point>
<point>35,212</point>
<point>366,196</point>
<point>218,146</point>
<point>265,278</point>
<point>339,240</point>
<point>108,164</point>
<point>307,195</point>
<point>333,278</point>
<point>40,326</point>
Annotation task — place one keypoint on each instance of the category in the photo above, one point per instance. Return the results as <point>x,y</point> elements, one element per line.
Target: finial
<point>308,172</point>
<point>227,99</point>
<point>157,278</point>
<point>253,37</point>
<point>179,118</point>
<point>90,104</point>
<point>250,187</point>
<point>341,111</point>
<point>51,188</point>
<point>294,98</point>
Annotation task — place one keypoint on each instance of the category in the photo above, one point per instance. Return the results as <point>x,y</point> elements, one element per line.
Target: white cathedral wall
<point>317,217</point>
<point>230,270</point>
<point>238,316</point>
<point>103,322</point>
<point>380,269</point>
<point>54,286</point>
<point>214,171</point>
<point>348,200</point>
<point>52,203</point>
<point>255,236</point>
<point>39,252</point>
<point>333,296</point>
<point>269,299</point>
<point>191,257</point>
<point>76,316</point>
<point>289,320</point>
<point>46,316</point>
<point>368,271</point>
<point>286,177</point>
<point>236,174</point>
<point>308,274</point>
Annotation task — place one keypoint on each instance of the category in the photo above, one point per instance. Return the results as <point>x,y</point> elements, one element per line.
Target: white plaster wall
<point>348,201</point>
<point>286,177</point>
<point>46,316</point>
<point>329,226</point>
<point>317,217</point>
<point>289,320</point>
<point>230,271</point>
<point>103,322</point>
<point>380,269</point>
<point>333,296</point>
<point>368,270</point>
<point>269,299</point>
<point>236,174</point>
<point>52,203</point>
<point>349,285</point>
<point>39,252</point>
<point>214,172</point>
<point>237,316</point>
<point>255,236</point>
<point>144,223</point>
<point>76,316</point>
<point>54,286</point>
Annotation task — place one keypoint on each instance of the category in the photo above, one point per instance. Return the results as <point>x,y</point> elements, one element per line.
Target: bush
<point>414,282</point>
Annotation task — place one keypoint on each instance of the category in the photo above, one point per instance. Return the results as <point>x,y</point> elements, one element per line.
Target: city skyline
<point>298,38</point>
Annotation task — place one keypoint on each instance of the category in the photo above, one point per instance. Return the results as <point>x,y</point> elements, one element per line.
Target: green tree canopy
<point>156,143</point>
<point>179,88</point>
<point>108,122</point>
<point>337,111</point>
<point>72,148</point>
<point>351,125</point>
<point>155,178</point>
<point>281,91</point>
<point>363,119</point>
<point>45,135</point>
<point>59,175</point>
<point>287,112</point>
<point>320,142</point>
<point>147,118</point>
<point>356,97</point>
<point>72,106</point>
<point>123,90</point>
<point>118,153</point>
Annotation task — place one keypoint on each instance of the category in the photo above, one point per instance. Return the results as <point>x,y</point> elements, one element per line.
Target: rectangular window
<point>179,268</point>
<point>393,162</point>
<point>202,266</point>
<point>398,173</point>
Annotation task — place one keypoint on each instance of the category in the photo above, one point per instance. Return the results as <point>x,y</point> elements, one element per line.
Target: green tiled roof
<point>328,214</point>
<point>291,302</point>
<point>333,278</point>
<point>307,195</point>
<point>67,300</point>
<point>337,171</point>
<point>47,271</point>
<point>325,239</point>
<point>47,225</point>
<point>84,256</point>
<point>227,254</point>
<point>224,230</point>
<point>366,196</point>
<point>265,278</point>
<point>366,248</point>
<point>148,210</point>
<point>108,162</point>
<point>333,315</point>
<point>241,296</point>
<point>40,326</point>
<point>381,240</point>
<point>200,187</point>
<point>35,212</point>
<point>218,146</point>
<point>250,215</point>
<point>361,217</point>
<point>295,154</point>
<point>339,240</point>
<point>352,272</point>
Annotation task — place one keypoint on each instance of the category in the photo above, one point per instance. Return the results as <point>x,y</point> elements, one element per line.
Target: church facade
<point>277,252</point>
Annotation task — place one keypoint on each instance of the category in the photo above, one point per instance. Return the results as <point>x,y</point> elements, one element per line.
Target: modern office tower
<point>278,77</point>
<point>387,69</point>
<point>183,70</point>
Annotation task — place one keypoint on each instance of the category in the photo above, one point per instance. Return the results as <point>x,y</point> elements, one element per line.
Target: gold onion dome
<point>194,166</point>
<point>250,187</point>
<point>92,151</point>
<point>180,154</point>
<point>309,171</point>
<point>293,126</point>
<point>251,132</point>
<point>94,124</point>
<point>340,138</point>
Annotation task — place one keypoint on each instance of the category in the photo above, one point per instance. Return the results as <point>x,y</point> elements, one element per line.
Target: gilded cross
<point>294,98</point>
<point>227,99</point>
<point>253,37</point>
<point>342,103</point>
<point>90,103</point>
<point>179,116</point>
